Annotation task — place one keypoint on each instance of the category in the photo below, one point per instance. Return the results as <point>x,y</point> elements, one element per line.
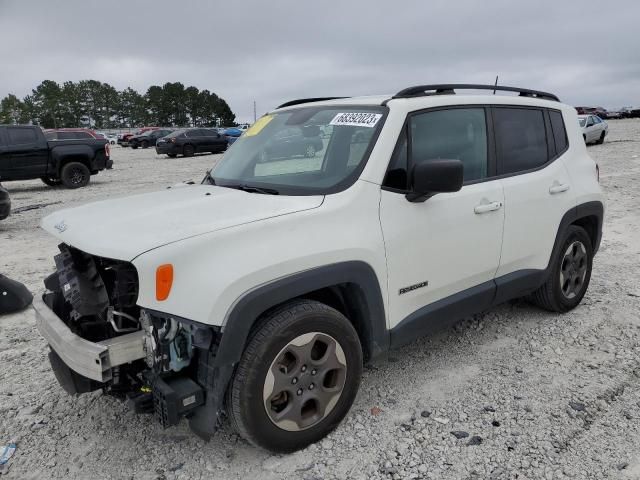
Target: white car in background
<point>594,129</point>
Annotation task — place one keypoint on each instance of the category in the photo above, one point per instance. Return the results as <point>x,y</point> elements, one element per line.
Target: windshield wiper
<point>252,189</point>
<point>208,178</point>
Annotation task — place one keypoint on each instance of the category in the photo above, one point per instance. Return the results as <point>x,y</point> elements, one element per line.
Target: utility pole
<point>254,112</point>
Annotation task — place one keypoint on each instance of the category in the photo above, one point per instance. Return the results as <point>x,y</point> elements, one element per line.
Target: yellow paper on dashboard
<point>257,127</point>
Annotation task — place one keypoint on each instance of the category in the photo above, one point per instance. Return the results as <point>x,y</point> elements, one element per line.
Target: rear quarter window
<point>559,131</point>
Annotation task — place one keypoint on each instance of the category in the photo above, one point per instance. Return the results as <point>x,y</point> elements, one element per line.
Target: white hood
<point>124,228</point>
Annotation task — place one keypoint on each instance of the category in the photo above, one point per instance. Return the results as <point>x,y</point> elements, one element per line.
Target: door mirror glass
<point>429,177</point>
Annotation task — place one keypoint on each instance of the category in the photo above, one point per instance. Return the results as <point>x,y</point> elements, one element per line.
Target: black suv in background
<point>148,138</point>
<point>189,141</point>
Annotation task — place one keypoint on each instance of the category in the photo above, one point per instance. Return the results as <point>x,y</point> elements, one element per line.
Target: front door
<point>451,242</point>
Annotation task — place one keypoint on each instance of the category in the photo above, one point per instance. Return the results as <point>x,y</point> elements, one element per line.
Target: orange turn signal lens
<point>164,280</point>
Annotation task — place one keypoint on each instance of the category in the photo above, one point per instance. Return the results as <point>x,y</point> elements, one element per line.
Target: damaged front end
<point>100,339</point>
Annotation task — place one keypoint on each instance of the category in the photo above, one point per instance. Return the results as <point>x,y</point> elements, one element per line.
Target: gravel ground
<point>512,393</point>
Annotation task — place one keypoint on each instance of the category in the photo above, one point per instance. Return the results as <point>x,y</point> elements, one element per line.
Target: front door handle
<point>558,188</point>
<point>487,207</point>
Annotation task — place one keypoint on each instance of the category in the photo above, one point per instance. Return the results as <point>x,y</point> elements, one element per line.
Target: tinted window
<point>21,136</point>
<point>521,140</point>
<point>456,134</point>
<point>559,132</point>
<point>210,133</point>
<point>193,133</point>
<point>596,119</point>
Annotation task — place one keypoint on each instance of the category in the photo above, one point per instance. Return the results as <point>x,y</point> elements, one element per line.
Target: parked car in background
<point>140,131</point>
<point>110,137</point>
<point>601,112</point>
<point>148,138</point>
<point>190,141</point>
<point>25,154</point>
<point>594,129</point>
<point>71,134</point>
<point>294,141</point>
<point>5,203</point>
<point>612,115</point>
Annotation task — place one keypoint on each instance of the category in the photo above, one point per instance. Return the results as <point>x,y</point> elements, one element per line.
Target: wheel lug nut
<point>314,371</point>
<point>311,387</point>
<point>299,392</point>
<point>294,380</point>
<point>304,368</point>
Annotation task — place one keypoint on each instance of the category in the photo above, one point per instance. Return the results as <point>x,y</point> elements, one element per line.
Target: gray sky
<point>587,52</point>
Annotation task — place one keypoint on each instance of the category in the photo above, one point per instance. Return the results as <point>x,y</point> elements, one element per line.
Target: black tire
<point>134,146</point>
<point>600,141</point>
<point>144,144</point>
<point>246,405</point>
<point>172,155</point>
<point>188,150</point>
<point>75,175</point>
<point>551,296</point>
<point>52,182</point>
<point>584,137</point>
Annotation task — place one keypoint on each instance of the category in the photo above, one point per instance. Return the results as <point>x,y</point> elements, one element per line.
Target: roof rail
<point>449,89</point>
<point>307,100</point>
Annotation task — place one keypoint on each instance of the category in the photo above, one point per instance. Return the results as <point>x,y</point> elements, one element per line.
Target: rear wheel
<point>134,146</point>
<point>188,150</point>
<point>51,181</point>
<point>75,175</point>
<point>297,377</point>
<point>172,155</point>
<point>310,151</point>
<point>570,273</point>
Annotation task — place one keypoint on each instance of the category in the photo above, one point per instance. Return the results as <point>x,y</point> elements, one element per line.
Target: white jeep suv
<point>259,293</point>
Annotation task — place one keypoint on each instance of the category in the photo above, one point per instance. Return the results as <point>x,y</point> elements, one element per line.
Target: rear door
<point>28,151</point>
<point>530,143</point>
<point>195,138</point>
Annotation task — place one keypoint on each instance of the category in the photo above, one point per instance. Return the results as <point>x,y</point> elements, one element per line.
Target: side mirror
<point>429,177</point>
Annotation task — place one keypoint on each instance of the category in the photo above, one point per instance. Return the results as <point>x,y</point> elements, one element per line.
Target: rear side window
<point>559,131</point>
<point>21,136</point>
<point>521,140</point>
<point>194,133</point>
<point>456,134</point>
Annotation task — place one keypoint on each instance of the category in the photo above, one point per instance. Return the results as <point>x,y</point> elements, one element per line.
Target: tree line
<point>99,105</point>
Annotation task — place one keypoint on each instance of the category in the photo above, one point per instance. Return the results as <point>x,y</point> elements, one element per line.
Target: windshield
<point>305,151</point>
<point>582,121</point>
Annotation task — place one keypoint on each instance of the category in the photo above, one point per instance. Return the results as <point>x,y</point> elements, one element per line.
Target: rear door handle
<point>558,188</point>
<point>487,207</point>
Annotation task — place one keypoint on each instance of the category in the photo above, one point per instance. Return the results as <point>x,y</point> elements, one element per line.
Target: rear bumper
<point>89,359</point>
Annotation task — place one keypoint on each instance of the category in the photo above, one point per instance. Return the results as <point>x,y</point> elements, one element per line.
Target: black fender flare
<point>583,210</point>
<point>80,153</point>
<point>246,311</point>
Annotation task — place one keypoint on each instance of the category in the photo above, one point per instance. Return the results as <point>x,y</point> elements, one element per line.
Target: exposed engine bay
<point>170,373</point>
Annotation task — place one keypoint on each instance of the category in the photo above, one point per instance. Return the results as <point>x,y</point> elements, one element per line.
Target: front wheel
<point>600,140</point>
<point>570,273</point>
<point>75,175</point>
<point>172,155</point>
<point>188,150</point>
<point>297,377</point>
<point>144,144</point>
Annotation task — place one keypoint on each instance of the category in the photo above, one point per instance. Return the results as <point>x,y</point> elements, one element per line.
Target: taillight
<point>598,172</point>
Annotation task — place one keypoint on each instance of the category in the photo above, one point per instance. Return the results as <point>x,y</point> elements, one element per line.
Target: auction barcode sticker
<point>356,119</point>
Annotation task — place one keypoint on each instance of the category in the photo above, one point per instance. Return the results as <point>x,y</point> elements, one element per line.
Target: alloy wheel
<point>573,269</point>
<point>305,381</point>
